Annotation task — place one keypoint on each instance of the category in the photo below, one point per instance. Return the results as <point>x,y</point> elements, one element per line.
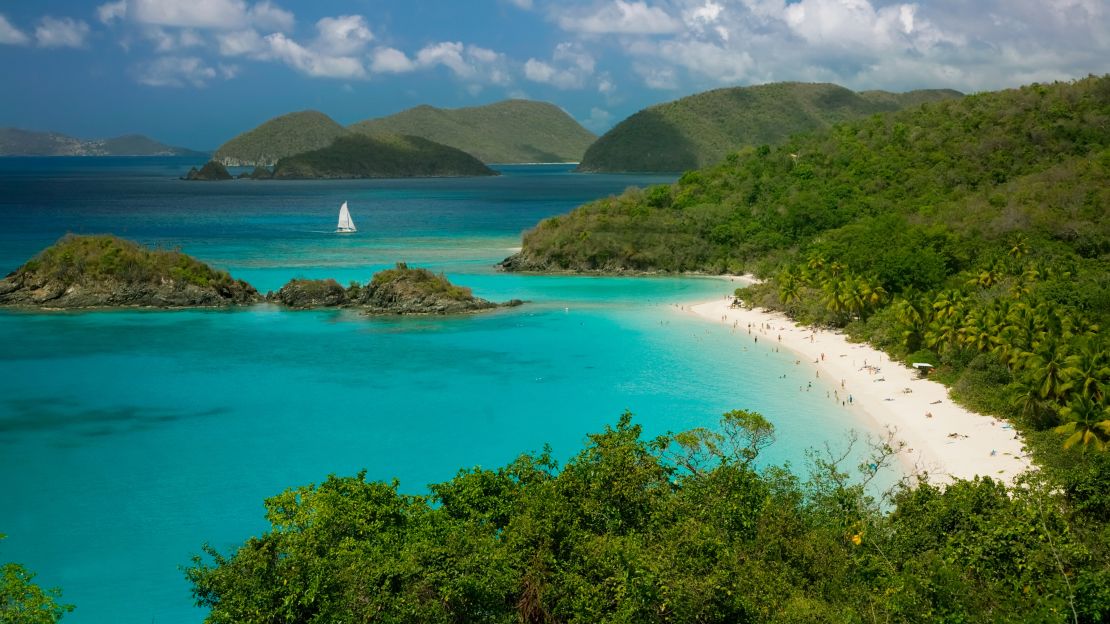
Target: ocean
<point>128,439</point>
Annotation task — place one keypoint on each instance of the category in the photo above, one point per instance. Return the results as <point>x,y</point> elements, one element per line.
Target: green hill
<point>380,156</point>
<point>513,131</point>
<point>280,137</point>
<point>971,234</point>
<point>16,142</point>
<point>700,130</point>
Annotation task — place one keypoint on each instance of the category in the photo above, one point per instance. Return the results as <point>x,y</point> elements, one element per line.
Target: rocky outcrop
<point>304,294</point>
<point>109,272</point>
<point>399,290</point>
<point>211,171</point>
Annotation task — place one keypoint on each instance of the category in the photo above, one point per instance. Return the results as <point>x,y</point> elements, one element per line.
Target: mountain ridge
<point>509,131</point>
<point>699,130</point>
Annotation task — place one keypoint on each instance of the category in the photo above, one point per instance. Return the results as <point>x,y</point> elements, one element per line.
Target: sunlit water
<point>129,439</point>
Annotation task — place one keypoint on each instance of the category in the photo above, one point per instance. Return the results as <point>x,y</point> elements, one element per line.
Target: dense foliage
<point>683,528</point>
<point>380,156</point>
<point>94,258</point>
<point>279,137</point>
<point>971,234</point>
<point>421,280</point>
<point>701,129</point>
<point>24,602</point>
<point>513,131</point>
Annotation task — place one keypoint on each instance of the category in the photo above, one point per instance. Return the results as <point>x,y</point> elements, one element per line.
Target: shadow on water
<point>50,414</point>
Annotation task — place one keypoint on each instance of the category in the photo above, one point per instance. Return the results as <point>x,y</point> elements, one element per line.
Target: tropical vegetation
<point>971,234</point>
<point>701,129</point>
<point>106,257</point>
<point>22,601</point>
<point>512,131</point>
<point>688,527</point>
<point>279,137</point>
<point>380,156</point>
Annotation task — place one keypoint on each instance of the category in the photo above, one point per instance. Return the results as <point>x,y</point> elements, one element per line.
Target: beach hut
<point>922,368</point>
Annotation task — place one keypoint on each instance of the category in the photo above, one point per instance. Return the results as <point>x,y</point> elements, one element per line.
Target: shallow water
<point>129,439</point>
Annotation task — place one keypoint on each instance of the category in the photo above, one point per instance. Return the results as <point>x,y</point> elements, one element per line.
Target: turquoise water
<point>129,439</point>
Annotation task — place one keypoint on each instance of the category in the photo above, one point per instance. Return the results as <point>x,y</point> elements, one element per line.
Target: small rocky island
<point>110,272</point>
<point>210,172</point>
<point>400,290</point>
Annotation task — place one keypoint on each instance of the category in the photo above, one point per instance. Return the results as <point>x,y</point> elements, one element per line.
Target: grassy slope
<point>382,156</point>
<point>699,130</point>
<point>504,132</point>
<point>280,137</point>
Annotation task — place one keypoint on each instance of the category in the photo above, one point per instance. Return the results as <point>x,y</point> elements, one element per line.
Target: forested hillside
<point>701,129</point>
<point>971,234</point>
<point>380,156</point>
<point>279,137</point>
<point>513,131</point>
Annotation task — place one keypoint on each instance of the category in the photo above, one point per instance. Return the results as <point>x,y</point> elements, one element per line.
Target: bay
<point>130,438</point>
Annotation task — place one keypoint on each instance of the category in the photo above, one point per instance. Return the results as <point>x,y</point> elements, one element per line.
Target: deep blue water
<point>129,439</point>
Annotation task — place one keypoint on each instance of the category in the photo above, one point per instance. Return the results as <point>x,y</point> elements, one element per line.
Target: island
<point>210,172</point>
<point>380,156</point>
<point>400,290</point>
<point>19,142</point>
<point>511,131</point>
<point>109,272</point>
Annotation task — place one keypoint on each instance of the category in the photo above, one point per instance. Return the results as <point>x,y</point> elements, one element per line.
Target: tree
<point>1088,424</point>
<point>23,602</point>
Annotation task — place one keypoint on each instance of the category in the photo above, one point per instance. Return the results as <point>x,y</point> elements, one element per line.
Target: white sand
<point>983,445</point>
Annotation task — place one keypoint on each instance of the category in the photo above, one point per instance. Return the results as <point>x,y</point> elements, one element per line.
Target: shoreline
<point>941,438</point>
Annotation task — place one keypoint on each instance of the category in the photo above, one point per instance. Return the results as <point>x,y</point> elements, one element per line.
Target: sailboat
<point>346,224</point>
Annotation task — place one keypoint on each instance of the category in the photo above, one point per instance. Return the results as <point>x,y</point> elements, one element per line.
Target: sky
<point>195,73</point>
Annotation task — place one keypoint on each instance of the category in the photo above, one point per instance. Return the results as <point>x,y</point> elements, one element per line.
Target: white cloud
<point>343,35</point>
<point>600,120</point>
<point>312,62</point>
<point>390,61</point>
<point>241,43</point>
<point>267,16</point>
<point>575,66</point>
<point>473,64</point>
<point>10,34</point>
<point>174,71</point>
<point>169,41</point>
<point>524,4</point>
<point>217,14</point>
<point>112,11</point>
<point>605,85</point>
<point>621,17</point>
<point>65,32</point>
<point>656,76</point>
<point>447,53</point>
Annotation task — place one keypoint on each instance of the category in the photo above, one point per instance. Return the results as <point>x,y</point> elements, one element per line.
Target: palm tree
<point>908,312</point>
<point>790,289</point>
<point>1046,370</point>
<point>1088,370</point>
<point>1088,423</point>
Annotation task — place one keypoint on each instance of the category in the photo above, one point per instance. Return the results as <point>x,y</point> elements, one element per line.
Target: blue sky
<point>197,72</point>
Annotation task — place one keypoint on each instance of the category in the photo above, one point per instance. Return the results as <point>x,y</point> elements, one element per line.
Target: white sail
<point>346,224</point>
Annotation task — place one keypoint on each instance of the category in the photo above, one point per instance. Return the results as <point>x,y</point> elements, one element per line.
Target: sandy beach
<point>940,438</point>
